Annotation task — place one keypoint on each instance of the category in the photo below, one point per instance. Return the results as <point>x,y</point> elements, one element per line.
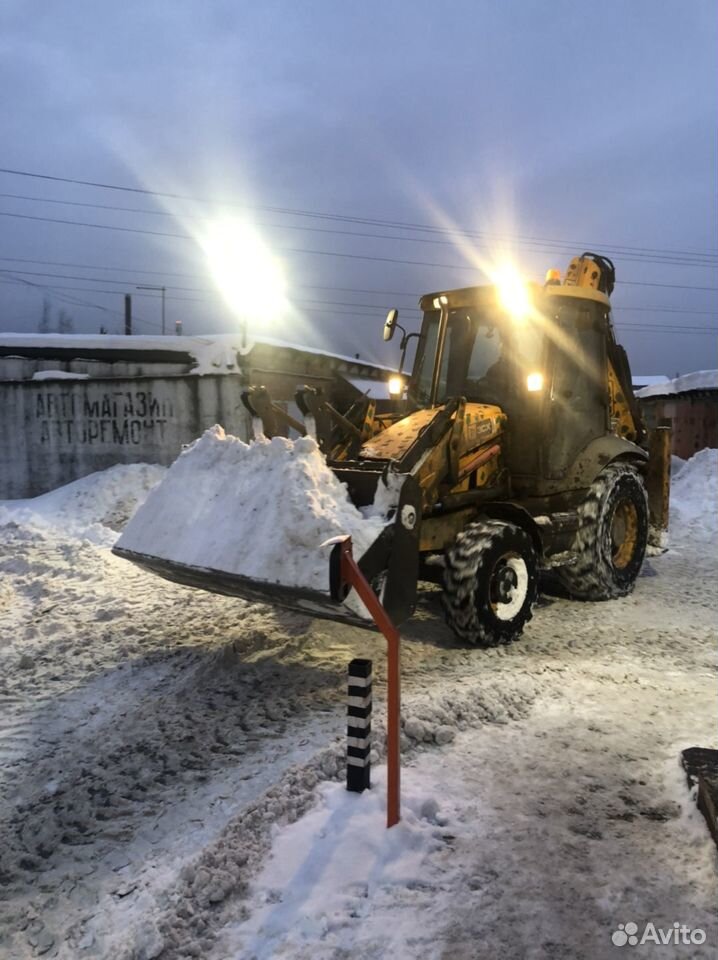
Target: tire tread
<point>463,567</point>
<point>590,577</point>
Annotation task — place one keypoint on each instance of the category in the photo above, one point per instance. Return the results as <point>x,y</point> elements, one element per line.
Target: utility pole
<point>128,315</point>
<point>162,291</point>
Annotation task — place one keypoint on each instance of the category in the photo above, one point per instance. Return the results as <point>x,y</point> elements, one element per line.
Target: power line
<point>621,308</point>
<point>336,303</point>
<point>96,226</point>
<point>652,330</point>
<point>197,300</point>
<point>299,250</point>
<point>86,203</point>
<point>652,283</point>
<point>345,218</point>
<point>72,300</point>
<point>327,308</point>
<point>75,301</point>
<point>537,245</point>
<point>95,266</point>
<point>387,293</point>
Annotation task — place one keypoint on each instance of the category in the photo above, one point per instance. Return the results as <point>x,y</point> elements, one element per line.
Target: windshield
<point>425,357</point>
<point>482,355</point>
<point>471,362</point>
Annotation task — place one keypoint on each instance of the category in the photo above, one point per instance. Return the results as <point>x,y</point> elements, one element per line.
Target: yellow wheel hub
<point>624,533</point>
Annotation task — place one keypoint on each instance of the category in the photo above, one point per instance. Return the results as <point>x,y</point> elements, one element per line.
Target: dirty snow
<point>260,510</point>
<point>480,869</point>
<point>92,507</point>
<point>170,764</point>
<point>694,498</point>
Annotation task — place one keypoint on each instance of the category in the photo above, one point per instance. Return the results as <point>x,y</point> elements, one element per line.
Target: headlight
<point>513,294</point>
<point>396,386</point>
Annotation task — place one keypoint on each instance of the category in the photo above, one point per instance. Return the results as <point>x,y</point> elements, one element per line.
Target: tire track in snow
<point>147,736</point>
<point>18,734</point>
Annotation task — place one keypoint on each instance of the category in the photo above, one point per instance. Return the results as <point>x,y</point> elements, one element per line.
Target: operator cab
<point>471,347</point>
<point>539,352</point>
<point>491,344</point>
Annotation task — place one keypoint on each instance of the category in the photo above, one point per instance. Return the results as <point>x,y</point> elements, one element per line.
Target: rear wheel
<point>490,583</point>
<point>612,534</point>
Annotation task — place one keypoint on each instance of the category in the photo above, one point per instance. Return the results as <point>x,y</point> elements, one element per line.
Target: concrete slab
<point>701,766</point>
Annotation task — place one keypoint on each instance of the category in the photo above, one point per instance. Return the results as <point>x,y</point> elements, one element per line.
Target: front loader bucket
<point>303,600</point>
<point>201,522</point>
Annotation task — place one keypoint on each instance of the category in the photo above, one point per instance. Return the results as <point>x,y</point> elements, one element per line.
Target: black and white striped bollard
<point>359,726</point>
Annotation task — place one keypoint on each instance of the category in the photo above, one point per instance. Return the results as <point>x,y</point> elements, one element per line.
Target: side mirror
<point>390,324</point>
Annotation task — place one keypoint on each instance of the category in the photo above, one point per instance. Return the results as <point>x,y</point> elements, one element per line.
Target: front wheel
<point>610,543</point>
<point>490,582</point>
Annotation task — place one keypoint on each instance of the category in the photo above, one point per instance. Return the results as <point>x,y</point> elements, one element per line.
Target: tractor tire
<point>612,535</point>
<point>490,583</point>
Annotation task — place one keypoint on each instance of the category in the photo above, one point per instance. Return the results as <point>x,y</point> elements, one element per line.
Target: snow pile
<point>92,507</point>
<point>259,510</point>
<point>335,862</point>
<point>694,497</point>
<point>677,464</point>
<point>700,380</point>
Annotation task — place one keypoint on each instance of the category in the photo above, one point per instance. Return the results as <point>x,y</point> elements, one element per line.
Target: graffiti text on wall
<point>123,417</point>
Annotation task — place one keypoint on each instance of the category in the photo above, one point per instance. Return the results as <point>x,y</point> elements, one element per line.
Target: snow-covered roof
<point>82,341</point>
<point>649,380</point>
<point>270,341</point>
<point>700,380</point>
<point>59,375</point>
<point>210,354</point>
<point>215,353</point>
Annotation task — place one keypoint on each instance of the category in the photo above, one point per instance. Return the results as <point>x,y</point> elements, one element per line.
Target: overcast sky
<point>591,126</point>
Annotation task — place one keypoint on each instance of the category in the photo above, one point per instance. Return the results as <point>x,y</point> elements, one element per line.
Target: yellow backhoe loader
<point>516,449</point>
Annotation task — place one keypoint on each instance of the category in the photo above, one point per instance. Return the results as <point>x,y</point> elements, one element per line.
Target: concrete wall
<point>52,432</point>
<point>23,368</point>
<point>138,405</point>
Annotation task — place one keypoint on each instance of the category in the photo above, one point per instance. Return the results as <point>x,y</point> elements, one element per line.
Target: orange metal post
<point>351,573</point>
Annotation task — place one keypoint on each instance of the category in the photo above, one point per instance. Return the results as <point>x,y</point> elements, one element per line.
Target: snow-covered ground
<point>171,761</point>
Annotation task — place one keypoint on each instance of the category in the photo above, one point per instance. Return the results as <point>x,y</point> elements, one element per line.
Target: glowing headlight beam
<point>512,292</point>
<point>396,386</point>
<point>249,276</point>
